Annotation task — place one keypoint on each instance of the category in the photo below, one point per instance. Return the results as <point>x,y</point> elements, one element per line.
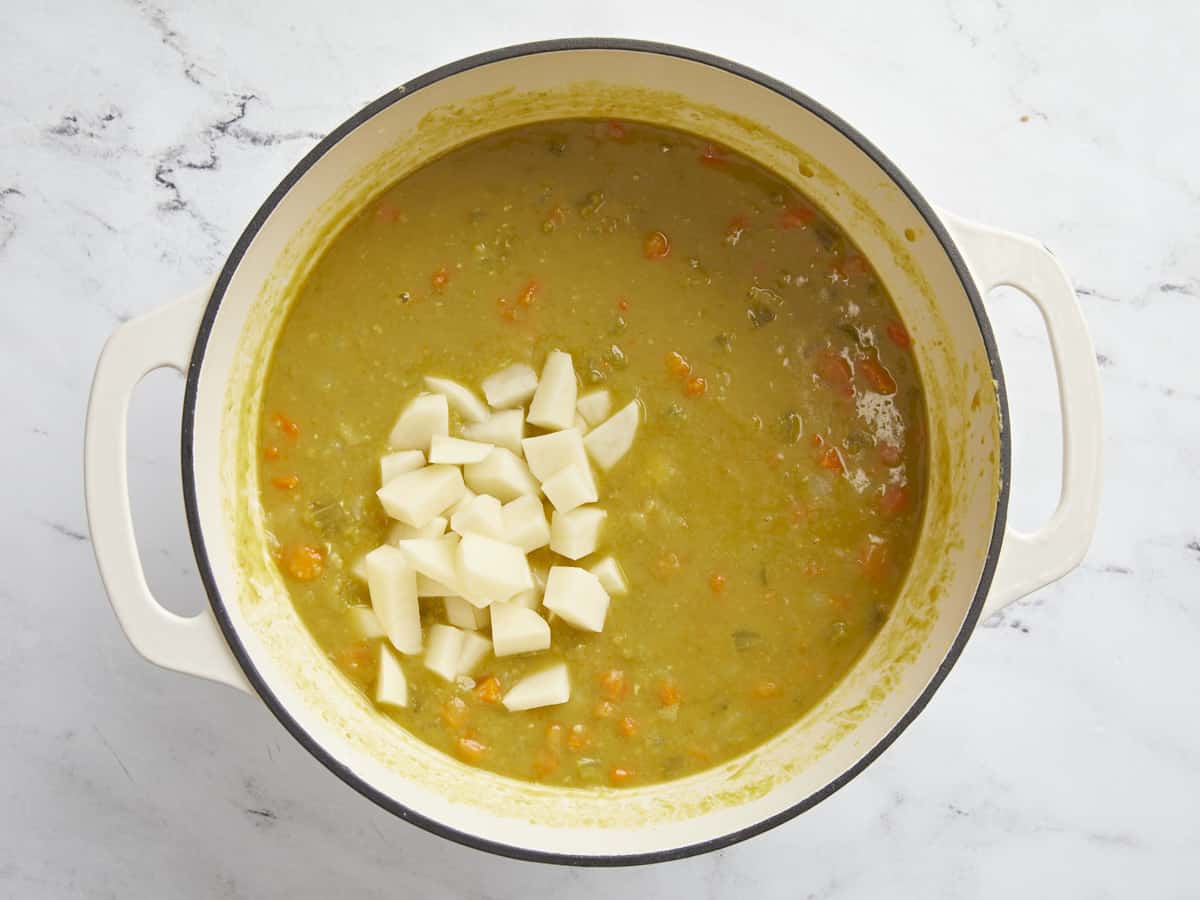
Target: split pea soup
<point>591,452</point>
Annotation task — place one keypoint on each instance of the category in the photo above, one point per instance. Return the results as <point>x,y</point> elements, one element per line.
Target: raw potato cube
<point>553,404</point>
<point>525,523</point>
<point>445,646</point>
<point>417,497</point>
<point>504,429</point>
<point>516,629</point>
<point>475,647</point>
<point>491,571</point>
<point>366,623</point>
<point>427,415</point>
<point>611,575</point>
<point>607,443</point>
<point>530,599</point>
<point>435,558</point>
<point>427,587</point>
<point>462,614</point>
<point>463,502</point>
<point>503,474</point>
<point>399,531</point>
<point>577,596</point>
<point>510,387</point>
<point>457,452</point>
<point>483,515</point>
<point>569,488</point>
<point>398,463</point>
<point>359,568</point>
<point>594,406</point>
<point>462,400</point>
<point>580,424</point>
<point>546,688</point>
<point>575,534</point>
<point>549,454</point>
<point>391,687</point>
<point>392,582</point>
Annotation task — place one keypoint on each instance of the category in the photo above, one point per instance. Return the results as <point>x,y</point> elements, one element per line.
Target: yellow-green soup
<point>767,511</point>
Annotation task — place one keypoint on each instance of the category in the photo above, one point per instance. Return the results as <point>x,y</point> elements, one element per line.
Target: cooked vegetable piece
<point>577,596</point>
<point>611,576</point>
<point>460,399</point>
<point>462,614</point>
<point>502,474</point>
<point>416,497</point>
<point>510,387</point>
<point>425,416</point>
<point>575,534</point>
<point>516,629</point>
<point>435,558</point>
<point>456,451</point>
<point>475,648</point>
<point>524,523</point>
<point>398,463</point>
<point>391,687</point>
<point>594,406</point>
<point>392,582</point>
<point>548,687</point>
<point>445,647</point>
<point>504,429</point>
<point>553,404</point>
<point>491,571</point>
<point>482,515</point>
<point>607,443</point>
<point>569,488</point>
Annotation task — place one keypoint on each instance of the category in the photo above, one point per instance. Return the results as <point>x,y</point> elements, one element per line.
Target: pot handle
<point>1029,561</point>
<point>192,645</point>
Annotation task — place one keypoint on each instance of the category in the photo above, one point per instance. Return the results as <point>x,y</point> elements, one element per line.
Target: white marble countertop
<point>1061,757</point>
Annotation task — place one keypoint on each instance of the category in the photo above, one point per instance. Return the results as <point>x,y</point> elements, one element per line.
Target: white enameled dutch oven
<point>935,265</point>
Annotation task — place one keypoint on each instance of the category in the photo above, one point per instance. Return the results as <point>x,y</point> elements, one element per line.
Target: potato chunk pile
<point>469,508</point>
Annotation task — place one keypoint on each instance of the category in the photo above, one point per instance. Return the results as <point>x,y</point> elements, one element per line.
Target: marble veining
<point>1062,755</point>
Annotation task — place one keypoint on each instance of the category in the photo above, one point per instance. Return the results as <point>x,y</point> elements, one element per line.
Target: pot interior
<point>911,255</point>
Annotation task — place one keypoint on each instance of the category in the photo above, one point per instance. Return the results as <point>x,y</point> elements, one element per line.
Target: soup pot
<point>936,266</point>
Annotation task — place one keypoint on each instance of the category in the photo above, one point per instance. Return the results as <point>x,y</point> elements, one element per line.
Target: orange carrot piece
<point>899,335</point>
<point>656,246</point>
<point>627,726</point>
<point>873,559</point>
<point>286,482</point>
<point>894,500</point>
<point>765,689</point>
<point>603,710</point>
<point>877,376</point>
<point>618,776</point>
<point>489,689</point>
<point>455,713</point>
<point>678,365</point>
<point>271,452</point>
<point>668,692</point>
<point>695,386</point>
<point>831,459</point>
<point>716,583</point>
<point>440,278</point>
<point>304,562</point>
<point>578,737</point>
<point>796,217</point>
<point>614,685</point>
<point>470,749</point>
<point>286,425</point>
<point>544,762</point>
<point>835,372</point>
<point>527,294</point>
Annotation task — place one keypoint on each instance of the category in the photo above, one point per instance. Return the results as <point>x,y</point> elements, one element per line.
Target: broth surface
<point>767,512</point>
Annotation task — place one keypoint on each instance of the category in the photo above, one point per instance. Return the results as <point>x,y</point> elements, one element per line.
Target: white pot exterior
<point>916,256</point>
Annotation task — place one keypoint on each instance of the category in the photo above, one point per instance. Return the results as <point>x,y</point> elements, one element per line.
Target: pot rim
<point>191,506</point>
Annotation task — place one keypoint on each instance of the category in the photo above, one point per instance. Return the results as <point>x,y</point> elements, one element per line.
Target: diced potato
<point>457,452</point>
<point>417,497</point>
<point>530,599</point>
<point>491,571</point>
<point>548,687</point>
<point>580,424</point>
<point>474,649</point>
<point>577,596</point>
<point>607,443</point>
<point>398,463</point>
<point>575,534</point>
<point>517,629</point>
<point>503,474</point>
<point>445,646</point>
<point>427,587</point>
<point>391,687</point>
<point>504,429</point>
<point>365,622</point>
<point>427,415</point>
<point>392,582</point>
<point>483,515</point>
<point>510,387</point>
<point>553,404</point>
<point>463,502</point>
<point>435,558</point>
<point>569,488</point>
<point>461,399</point>
<point>548,454</point>
<point>359,567</point>
<point>462,614</point>
<point>611,575</point>
<point>400,531</point>
<point>594,406</point>
<point>525,523</point>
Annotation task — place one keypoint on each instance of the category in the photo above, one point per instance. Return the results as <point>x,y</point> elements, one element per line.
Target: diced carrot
<point>832,459</point>
<point>455,713</point>
<point>545,761</point>
<point>839,602</point>
<point>656,245</point>
<point>713,155</point>
<point>526,295</point>
<point>890,455</point>
<point>812,568</point>
<point>716,583</point>
<point>765,688</point>
<point>471,749</point>
<point>899,335</point>
<point>853,266</point>
<point>618,776</point>
<point>554,736</point>
<point>286,482</point>
<point>557,216</point>
<point>354,658</point>
<point>615,129</point>
<point>668,692</point>
<point>304,562</point>
<point>835,371</point>
<point>286,425</point>
<point>877,376</point>
<point>873,558</point>
<point>578,737</point>
<point>440,278</point>
<point>678,365</point>
<point>627,726</point>
<point>603,710</point>
<point>623,305</point>
<point>894,500</point>
<point>489,690</point>
<point>817,441</point>
<point>796,217</point>
<point>271,452</point>
<point>695,386</point>
<point>614,685</point>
